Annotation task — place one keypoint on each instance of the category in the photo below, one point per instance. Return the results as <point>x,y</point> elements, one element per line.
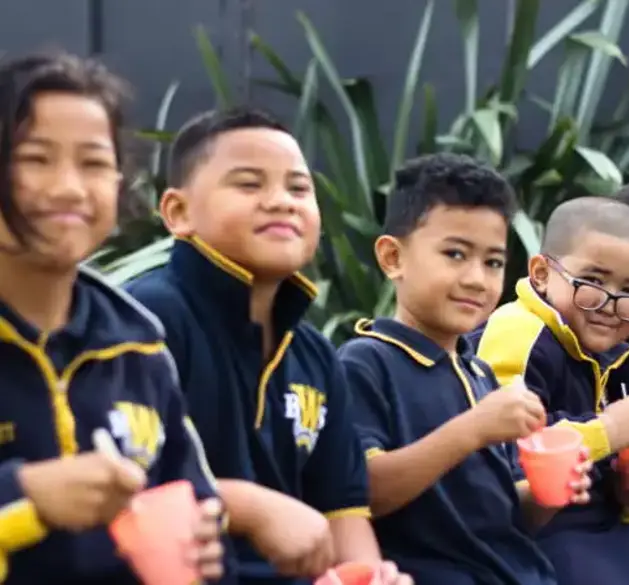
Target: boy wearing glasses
<point>565,334</point>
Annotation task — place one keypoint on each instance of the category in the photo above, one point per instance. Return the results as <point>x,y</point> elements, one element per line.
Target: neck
<point>261,311</point>
<point>445,340</point>
<point>42,298</point>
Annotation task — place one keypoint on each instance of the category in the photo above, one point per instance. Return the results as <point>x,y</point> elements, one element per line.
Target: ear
<point>388,252</point>
<point>539,273</point>
<point>175,212</point>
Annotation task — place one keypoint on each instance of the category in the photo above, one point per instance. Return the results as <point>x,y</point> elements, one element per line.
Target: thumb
<point>129,475</point>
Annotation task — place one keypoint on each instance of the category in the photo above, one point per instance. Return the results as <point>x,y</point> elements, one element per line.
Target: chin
<point>279,266</point>
<point>595,344</point>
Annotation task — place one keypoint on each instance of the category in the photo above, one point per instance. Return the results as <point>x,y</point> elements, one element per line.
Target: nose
<point>278,199</point>
<point>474,275</point>
<point>66,183</point>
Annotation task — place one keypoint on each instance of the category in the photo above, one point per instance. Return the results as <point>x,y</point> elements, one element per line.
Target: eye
<point>248,185</point>
<point>95,163</point>
<point>592,279</point>
<point>31,158</point>
<point>300,190</point>
<point>495,263</point>
<point>455,254</point>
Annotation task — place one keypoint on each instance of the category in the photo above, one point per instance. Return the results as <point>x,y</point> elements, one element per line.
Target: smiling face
<point>65,180</point>
<point>596,258</point>
<point>252,199</point>
<point>449,271</point>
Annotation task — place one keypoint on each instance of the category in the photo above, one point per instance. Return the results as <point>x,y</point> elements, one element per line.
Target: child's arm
<point>539,363</point>
<point>400,475</point>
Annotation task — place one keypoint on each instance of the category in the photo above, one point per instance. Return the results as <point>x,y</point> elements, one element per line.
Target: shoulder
<point>115,313</point>
<point>515,334</point>
<point>156,290</point>
<point>362,350</point>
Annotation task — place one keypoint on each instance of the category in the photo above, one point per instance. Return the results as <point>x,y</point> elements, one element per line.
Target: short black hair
<point>572,218</point>
<point>192,143</point>
<point>21,80</point>
<point>444,179</point>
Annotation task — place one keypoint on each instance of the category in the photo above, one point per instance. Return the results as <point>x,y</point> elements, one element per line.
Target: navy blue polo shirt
<point>283,422</point>
<point>107,368</point>
<point>528,337</point>
<point>467,528</point>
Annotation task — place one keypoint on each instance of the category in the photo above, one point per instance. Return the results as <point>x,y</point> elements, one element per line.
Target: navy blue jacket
<point>528,337</point>
<point>467,528</point>
<point>108,368</point>
<point>284,423</point>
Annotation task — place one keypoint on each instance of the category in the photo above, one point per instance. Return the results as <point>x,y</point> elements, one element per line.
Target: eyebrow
<point>259,172</point>
<point>470,244</point>
<point>88,144</point>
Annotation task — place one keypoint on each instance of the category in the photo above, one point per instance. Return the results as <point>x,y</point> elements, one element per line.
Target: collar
<point>414,343</point>
<point>534,303</point>
<point>203,271</point>
<point>100,317</point>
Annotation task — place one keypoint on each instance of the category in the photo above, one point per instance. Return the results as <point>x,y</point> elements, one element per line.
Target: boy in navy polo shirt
<point>438,441</point>
<point>565,334</point>
<point>264,389</point>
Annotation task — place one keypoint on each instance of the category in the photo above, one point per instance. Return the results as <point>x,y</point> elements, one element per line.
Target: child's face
<point>65,179</point>
<point>254,201</point>
<point>449,272</point>
<point>598,259</point>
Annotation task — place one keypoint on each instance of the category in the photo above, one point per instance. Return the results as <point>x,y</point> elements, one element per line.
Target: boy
<point>565,334</point>
<point>442,488</point>
<point>264,388</point>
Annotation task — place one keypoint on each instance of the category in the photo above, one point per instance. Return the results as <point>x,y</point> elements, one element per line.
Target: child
<point>437,440</point>
<point>264,388</point>
<point>76,355</point>
<point>565,334</point>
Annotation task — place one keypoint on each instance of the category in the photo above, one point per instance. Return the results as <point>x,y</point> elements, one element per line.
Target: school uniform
<point>107,368</point>
<point>528,337</point>
<point>467,528</point>
<point>282,422</point>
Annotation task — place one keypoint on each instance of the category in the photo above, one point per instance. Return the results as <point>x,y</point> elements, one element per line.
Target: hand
<point>390,575</point>
<point>507,414</point>
<point>294,537</point>
<point>80,492</point>
<point>581,486</point>
<point>208,556</point>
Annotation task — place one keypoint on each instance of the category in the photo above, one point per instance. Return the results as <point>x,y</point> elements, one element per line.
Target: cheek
<point>312,224</point>
<point>623,333</point>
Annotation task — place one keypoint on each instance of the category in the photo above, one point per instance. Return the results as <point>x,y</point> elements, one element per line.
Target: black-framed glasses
<point>592,297</point>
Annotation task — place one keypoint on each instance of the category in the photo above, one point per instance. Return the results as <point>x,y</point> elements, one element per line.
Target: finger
<point>207,531</point>
<point>130,477</point>
<point>388,572</point>
<point>211,571</point>
<point>584,453</point>
<point>211,552</point>
<point>212,508</point>
<point>317,563</point>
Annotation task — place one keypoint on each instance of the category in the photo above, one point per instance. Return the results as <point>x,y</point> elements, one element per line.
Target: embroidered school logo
<point>139,430</point>
<point>305,406</point>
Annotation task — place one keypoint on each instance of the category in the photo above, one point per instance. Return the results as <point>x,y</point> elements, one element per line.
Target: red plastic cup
<point>350,573</point>
<point>549,458</point>
<point>155,532</point>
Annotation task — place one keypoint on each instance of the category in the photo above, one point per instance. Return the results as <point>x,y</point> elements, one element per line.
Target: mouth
<point>603,327</point>
<point>280,229</point>
<point>469,303</point>
<point>65,218</point>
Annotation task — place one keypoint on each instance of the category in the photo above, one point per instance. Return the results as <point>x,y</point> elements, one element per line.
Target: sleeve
<point>183,456</point>
<point>336,481</point>
<point>512,352</point>
<point>370,407</point>
<point>20,525</point>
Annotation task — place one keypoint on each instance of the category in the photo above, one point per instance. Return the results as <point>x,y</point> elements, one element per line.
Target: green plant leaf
<point>402,125</point>
<point>569,81</point>
<point>597,41</point>
<point>528,232</point>
<point>467,13</point>
<point>212,63</point>
<point>601,164</point>
<point>338,320</point>
<point>133,270</point>
<point>160,124</point>
<point>141,256</point>
<point>515,67</point>
<point>358,141</point>
<point>596,78</point>
<point>289,80</point>
<point>360,93</point>
<point>488,125</point>
<point>567,25</point>
<point>431,122</point>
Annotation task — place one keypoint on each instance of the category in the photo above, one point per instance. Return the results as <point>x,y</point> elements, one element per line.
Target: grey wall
<point>151,43</point>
